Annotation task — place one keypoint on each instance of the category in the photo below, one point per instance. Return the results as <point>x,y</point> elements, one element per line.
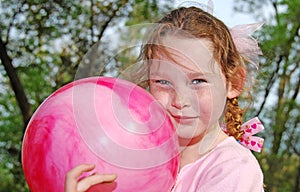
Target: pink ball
<point>108,122</point>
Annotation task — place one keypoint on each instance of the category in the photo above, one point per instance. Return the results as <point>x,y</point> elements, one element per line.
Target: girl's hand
<point>73,185</point>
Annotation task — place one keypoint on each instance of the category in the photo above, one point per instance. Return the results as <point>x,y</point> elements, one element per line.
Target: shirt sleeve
<point>242,174</point>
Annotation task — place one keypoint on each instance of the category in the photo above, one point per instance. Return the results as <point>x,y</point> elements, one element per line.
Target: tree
<point>278,85</point>
<point>41,46</point>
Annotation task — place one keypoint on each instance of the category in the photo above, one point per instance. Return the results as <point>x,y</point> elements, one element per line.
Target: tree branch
<point>110,17</point>
<point>272,79</point>
<point>274,3</point>
<point>15,83</point>
<point>92,19</point>
<point>12,21</point>
<point>269,85</point>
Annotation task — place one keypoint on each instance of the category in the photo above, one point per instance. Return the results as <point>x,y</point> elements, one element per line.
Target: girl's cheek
<point>201,95</point>
<point>203,102</point>
<point>161,96</point>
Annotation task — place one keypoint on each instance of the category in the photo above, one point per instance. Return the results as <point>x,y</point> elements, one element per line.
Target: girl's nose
<point>180,99</point>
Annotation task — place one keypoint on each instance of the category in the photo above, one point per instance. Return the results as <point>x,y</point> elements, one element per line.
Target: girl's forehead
<point>190,54</point>
<point>188,45</point>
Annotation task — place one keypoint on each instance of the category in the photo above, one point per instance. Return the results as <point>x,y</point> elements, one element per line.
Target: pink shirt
<point>229,167</point>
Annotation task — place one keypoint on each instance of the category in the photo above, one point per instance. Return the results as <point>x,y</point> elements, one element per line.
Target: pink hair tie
<point>245,43</point>
<point>250,128</point>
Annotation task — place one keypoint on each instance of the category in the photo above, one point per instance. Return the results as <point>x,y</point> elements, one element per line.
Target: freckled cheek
<point>203,104</point>
<point>160,96</point>
<point>210,105</point>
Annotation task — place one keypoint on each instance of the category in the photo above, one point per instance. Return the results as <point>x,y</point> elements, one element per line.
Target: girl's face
<point>192,88</point>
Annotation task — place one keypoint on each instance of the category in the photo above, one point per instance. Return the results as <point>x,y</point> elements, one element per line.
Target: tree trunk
<point>15,83</point>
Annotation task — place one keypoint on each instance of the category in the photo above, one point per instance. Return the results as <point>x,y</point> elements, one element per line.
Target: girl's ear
<point>236,83</point>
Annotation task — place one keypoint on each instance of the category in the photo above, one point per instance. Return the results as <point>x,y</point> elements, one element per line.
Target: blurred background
<point>42,44</point>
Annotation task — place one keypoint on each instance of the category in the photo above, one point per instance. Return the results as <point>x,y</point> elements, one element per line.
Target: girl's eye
<point>198,81</point>
<point>163,82</point>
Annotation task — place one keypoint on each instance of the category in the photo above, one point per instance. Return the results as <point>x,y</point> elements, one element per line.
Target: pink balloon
<point>108,122</point>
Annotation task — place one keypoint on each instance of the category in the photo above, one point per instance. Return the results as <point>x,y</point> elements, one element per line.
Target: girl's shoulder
<point>232,151</point>
<point>228,154</point>
<point>232,159</point>
<point>231,146</point>
<point>230,165</point>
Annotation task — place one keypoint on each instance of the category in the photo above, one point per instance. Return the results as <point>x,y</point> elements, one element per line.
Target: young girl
<point>196,72</point>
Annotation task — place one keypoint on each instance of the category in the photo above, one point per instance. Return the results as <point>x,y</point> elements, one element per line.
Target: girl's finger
<point>77,171</point>
<point>72,176</point>
<point>89,181</point>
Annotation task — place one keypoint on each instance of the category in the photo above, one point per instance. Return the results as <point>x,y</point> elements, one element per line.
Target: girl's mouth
<point>183,119</point>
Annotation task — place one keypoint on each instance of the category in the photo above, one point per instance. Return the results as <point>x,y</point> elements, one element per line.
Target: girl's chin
<point>185,141</point>
<point>186,138</point>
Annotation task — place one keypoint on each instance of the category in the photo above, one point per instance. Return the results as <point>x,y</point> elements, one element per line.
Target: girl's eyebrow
<point>190,75</point>
<point>199,74</point>
<point>158,73</point>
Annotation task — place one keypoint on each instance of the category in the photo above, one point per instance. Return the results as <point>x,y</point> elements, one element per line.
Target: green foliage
<point>10,144</point>
<point>278,85</point>
<point>46,41</point>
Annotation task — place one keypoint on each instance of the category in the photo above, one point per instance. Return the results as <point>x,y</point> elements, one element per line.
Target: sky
<point>223,9</point>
